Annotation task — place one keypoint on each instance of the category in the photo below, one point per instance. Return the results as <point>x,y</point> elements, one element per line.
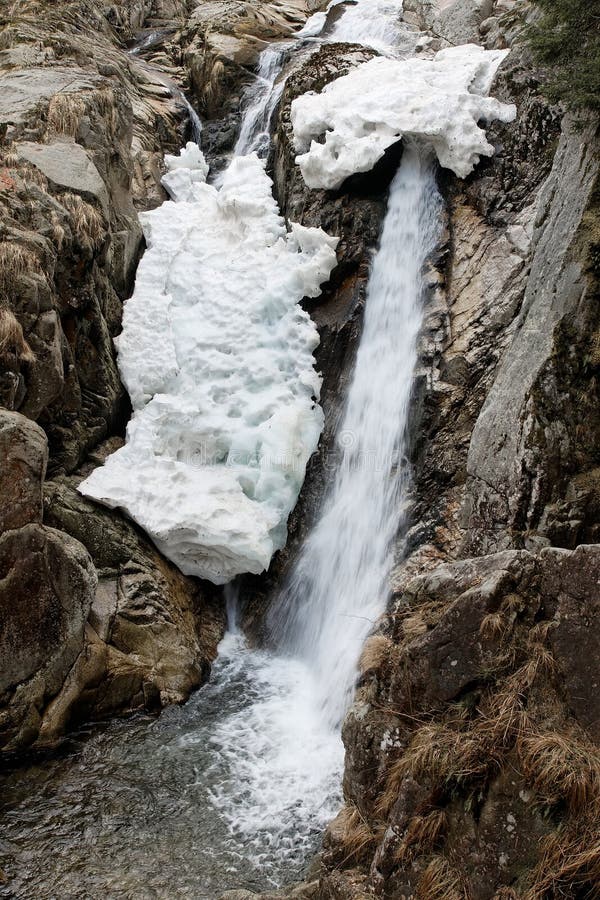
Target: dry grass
<point>422,835</point>
<point>352,835</point>
<point>442,755</point>
<point>440,881</point>
<point>87,222</point>
<point>506,893</point>
<point>32,175</point>
<point>12,339</point>
<point>11,159</point>
<point>15,260</point>
<point>58,232</point>
<point>539,633</point>
<point>504,717</point>
<point>212,86</point>
<point>107,105</point>
<point>419,620</point>
<point>64,114</point>
<point>560,768</point>
<point>494,626</point>
<point>513,604</point>
<point>570,863</point>
<point>375,654</point>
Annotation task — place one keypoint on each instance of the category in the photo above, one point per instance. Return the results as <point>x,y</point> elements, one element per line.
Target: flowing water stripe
<point>338,587</point>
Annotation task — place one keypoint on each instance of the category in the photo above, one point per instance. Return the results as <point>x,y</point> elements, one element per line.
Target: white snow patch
<point>363,113</point>
<point>216,354</point>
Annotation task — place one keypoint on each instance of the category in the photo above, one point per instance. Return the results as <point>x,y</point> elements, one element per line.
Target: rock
<point>23,90</point>
<point>47,584</point>
<point>84,149</point>
<point>67,166</point>
<point>458,21</point>
<point>160,629</point>
<point>478,647</point>
<point>574,580</point>
<point>23,458</point>
<point>509,479</point>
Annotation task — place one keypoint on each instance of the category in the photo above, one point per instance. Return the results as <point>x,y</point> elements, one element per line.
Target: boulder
<point>23,458</point>
<point>160,630</point>
<point>47,585</point>
<point>23,89</point>
<point>67,166</point>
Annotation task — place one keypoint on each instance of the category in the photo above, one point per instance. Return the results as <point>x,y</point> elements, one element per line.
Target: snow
<point>217,357</point>
<point>361,114</point>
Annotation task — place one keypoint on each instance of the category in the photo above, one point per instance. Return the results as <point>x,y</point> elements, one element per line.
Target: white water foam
<point>283,762</point>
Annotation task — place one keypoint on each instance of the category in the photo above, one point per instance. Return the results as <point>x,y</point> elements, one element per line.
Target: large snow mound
<point>217,356</point>
<point>361,114</point>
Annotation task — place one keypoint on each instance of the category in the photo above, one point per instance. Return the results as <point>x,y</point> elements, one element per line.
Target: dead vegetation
<point>212,84</point>
<point>570,862</point>
<point>423,834</point>
<point>440,881</point>
<point>494,626</point>
<point>352,836</point>
<point>12,340</point>
<point>561,769</point>
<point>64,115</point>
<point>86,221</point>
<point>375,654</point>
<point>442,756</point>
<point>15,261</point>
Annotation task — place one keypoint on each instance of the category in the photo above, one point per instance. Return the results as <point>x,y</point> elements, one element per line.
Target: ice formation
<point>363,113</point>
<point>216,355</point>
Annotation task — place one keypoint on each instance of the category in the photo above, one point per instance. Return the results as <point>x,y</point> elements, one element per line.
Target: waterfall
<point>146,43</point>
<point>260,100</point>
<point>284,747</point>
<point>338,586</point>
<point>373,23</point>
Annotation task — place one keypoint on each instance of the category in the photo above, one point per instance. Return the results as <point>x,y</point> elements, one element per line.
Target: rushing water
<point>260,101</point>
<point>338,587</point>
<point>234,788</point>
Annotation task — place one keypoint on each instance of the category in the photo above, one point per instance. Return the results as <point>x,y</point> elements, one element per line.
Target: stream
<point>234,789</point>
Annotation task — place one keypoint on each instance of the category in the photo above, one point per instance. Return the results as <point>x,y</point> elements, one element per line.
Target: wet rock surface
<point>446,740</point>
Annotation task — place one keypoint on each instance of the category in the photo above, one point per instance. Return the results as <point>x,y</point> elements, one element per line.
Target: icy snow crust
<point>216,355</point>
<point>363,113</point>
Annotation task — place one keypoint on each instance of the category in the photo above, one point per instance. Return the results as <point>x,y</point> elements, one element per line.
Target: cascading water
<point>373,23</point>
<point>260,101</point>
<point>146,43</point>
<point>286,746</point>
<point>339,585</point>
